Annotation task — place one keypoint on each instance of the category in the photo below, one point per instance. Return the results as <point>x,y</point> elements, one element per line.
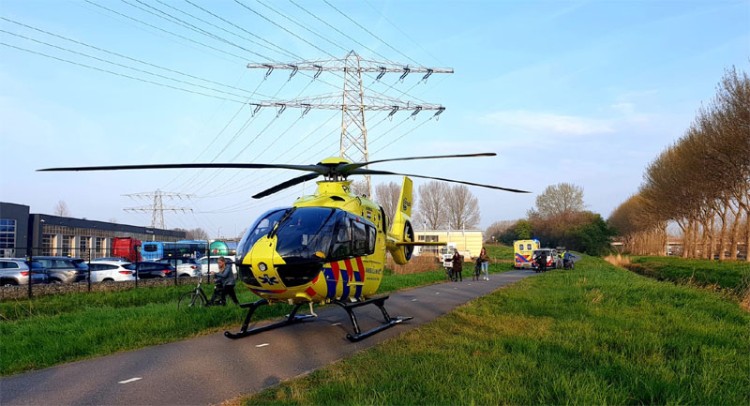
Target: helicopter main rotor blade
<point>287,184</point>
<point>348,168</point>
<point>376,172</point>
<point>314,168</point>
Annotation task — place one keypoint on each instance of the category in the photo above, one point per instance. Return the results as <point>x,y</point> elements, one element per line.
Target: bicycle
<point>197,297</point>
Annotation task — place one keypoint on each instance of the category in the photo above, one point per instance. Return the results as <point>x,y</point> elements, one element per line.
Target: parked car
<point>185,266</point>
<point>16,271</point>
<point>149,270</point>
<point>551,255</point>
<point>215,264</point>
<point>64,269</point>
<point>111,271</point>
<point>116,259</point>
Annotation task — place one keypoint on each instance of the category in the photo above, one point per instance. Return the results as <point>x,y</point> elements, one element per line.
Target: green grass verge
<point>51,330</point>
<point>596,335</point>
<point>729,276</point>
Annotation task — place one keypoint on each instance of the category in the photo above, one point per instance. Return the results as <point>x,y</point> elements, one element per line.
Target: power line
<point>283,28</point>
<point>337,30</point>
<point>240,28</point>
<point>313,32</point>
<point>168,17</point>
<point>118,64</point>
<point>165,31</point>
<point>119,54</point>
<point>117,73</point>
<point>369,32</point>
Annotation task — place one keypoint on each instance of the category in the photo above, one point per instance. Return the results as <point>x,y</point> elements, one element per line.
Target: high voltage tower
<point>354,103</point>
<point>157,208</point>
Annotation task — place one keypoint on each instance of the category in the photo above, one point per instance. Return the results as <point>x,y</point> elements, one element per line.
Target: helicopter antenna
<point>353,142</point>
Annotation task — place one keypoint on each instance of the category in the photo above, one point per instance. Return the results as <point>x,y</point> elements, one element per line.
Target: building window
<point>47,244</point>
<point>83,247</point>
<point>99,247</point>
<point>7,237</point>
<point>67,245</point>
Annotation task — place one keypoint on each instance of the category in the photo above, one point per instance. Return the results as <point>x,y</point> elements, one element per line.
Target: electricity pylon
<point>354,103</point>
<point>157,208</point>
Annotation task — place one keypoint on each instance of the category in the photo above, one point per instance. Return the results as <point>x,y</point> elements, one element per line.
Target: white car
<point>186,267</point>
<point>215,264</point>
<point>111,271</point>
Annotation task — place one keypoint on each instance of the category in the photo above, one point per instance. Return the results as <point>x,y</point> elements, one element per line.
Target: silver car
<point>64,269</point>
<point>16,271</point>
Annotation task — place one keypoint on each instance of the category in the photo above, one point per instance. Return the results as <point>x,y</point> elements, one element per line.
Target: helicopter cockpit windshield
<point>305,234</point>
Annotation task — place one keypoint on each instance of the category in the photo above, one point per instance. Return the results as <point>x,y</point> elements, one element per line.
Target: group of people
<point>563,260</point>
<point>481,267</point>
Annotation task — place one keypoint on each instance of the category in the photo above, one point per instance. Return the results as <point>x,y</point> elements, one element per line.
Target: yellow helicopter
<point>328,247</point>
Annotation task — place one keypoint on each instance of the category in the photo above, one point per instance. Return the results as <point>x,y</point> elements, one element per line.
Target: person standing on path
<point>458,264</point>
<point>485,264</point>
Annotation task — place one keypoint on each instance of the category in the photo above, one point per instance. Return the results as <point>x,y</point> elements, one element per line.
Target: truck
<point>523,251</point>
<point>127,247</point>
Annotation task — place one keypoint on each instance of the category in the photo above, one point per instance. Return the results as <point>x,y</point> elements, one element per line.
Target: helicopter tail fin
<point>402,233</point>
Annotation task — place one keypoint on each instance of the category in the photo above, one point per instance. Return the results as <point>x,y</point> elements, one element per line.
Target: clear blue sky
<point>581,92</point>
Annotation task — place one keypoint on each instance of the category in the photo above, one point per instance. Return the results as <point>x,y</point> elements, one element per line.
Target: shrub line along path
<point>212,369</point>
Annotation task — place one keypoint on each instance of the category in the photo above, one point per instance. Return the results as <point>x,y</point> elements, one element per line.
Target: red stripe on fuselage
<point>349,271</point>
<point>361,269</point>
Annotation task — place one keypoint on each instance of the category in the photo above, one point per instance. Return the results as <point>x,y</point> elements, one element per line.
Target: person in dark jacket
<point>458,264</point>
<point>225,276</point>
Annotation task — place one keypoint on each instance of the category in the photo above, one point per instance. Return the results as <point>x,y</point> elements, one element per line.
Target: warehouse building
<point>23,233</point>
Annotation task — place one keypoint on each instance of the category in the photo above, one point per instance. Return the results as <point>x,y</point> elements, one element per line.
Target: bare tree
<point>432,211</point>
<point>194,234</point>
<point>497,228</point>
<point>61,209</point>
<point>359,188</point>
<point>462,207</point>
<point>387,194</point>
<point>562,199</point>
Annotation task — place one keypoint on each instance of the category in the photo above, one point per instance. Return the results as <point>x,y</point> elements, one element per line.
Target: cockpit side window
<point>354,238</point>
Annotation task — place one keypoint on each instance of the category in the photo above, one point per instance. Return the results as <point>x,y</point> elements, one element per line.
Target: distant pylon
<point>157,209</point>
<point>353,142</point>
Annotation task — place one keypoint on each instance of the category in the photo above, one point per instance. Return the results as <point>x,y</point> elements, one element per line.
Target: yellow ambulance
<point>523,250</point>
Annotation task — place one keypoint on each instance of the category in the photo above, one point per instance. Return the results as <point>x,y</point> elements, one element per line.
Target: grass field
<point>51,330</point>
<point>596,335</point>
<point>732,277</point>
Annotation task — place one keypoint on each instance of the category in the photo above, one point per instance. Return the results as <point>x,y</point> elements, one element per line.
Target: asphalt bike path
<point>212,369</point>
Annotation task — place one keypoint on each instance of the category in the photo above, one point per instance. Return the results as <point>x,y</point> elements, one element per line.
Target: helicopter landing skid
<point>292,318</point>
<point>379,302</point>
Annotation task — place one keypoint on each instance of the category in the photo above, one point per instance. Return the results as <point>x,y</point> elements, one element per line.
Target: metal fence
<point>12,291</point>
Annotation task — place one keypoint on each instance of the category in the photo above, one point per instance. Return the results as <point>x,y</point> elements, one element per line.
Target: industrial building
<point>23,233</point>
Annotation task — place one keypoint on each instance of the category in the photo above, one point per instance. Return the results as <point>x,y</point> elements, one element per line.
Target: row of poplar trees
<point>701,184</point>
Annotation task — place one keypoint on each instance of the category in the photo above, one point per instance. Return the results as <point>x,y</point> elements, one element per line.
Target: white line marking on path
<point>414,300</point>
<point>336,324</point>
<point>130,380</point>
<point>262,345</point>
